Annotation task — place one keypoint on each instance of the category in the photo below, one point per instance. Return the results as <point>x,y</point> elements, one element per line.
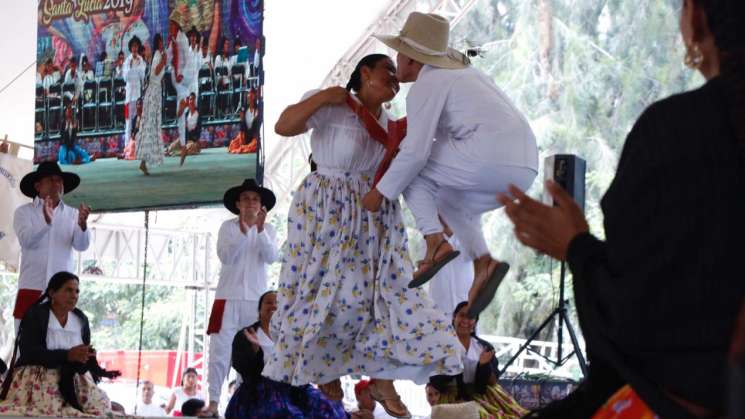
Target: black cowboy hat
<point>70,180</point>
<point>231,195</point>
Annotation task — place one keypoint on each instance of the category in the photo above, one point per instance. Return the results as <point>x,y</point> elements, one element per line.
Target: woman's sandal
<point>488,290</point>
<point>391,403</point>
<point>332,390</point>
<point>424,274</point>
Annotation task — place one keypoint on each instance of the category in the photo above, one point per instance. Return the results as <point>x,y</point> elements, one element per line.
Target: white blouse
<point>191,120</point>
<point>156,78</point>
<point>266,344</point>
<point>471,361</point>
<point>340,142</point>
<point>59,337</point>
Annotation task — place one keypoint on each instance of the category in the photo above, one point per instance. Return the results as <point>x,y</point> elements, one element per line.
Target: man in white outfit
<point>48,231</point>
<point>133,72</point>
<point>182,71</point>
<point>465,143</point>
<point>146,407</point>
<point>246,246</point>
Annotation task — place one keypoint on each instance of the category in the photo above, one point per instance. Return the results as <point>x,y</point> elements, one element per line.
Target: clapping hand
<point>546,229</point>
<point>261,219</point>
<point>83,212</point>
<point>48,210</point>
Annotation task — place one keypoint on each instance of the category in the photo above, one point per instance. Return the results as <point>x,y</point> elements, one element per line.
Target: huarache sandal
<point>332,390</point>
<point>488,290</point>
<point>428,268</point>
<point>391,403</point>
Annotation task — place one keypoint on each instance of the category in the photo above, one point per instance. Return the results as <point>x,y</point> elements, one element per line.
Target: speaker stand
<point>563,317</point>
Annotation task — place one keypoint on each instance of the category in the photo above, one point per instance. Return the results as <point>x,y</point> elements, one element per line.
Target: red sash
<point>215,324</point>
<point>391,140</point>
<point>25,299</point>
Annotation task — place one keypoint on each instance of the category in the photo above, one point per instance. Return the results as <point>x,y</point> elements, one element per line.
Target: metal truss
<point>282,178</point>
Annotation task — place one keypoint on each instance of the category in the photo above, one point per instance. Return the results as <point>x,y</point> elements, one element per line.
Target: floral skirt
<point>35,392</point>
<point>343,302</point>
<point>495,402</point>
<point>267,399</point>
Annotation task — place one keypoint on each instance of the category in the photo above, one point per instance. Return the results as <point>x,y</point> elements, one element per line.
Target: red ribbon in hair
<point>391,140</point>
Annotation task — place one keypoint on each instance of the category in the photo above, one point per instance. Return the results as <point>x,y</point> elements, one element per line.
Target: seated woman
<point>188,110</point>
<point>245,141</point>
<point>478,382</point>
<point>57,372</point>
<point>187,391</point>
<point>260,397</point>
<point>69,151</point>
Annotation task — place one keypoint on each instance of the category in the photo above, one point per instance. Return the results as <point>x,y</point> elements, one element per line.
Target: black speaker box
<point>568,171</point>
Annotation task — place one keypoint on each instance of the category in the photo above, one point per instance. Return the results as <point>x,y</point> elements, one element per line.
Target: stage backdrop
<point>82,50</point>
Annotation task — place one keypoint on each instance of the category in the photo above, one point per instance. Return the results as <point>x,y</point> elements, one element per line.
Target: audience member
<point>478,381</point>
<point>56,373</point>
<point>187,390</point>
<point>658,298</point>
<point>145,406</point>
<point>194,408</point>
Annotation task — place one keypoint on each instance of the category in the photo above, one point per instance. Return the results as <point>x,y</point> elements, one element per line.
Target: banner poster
<point>154,103</point>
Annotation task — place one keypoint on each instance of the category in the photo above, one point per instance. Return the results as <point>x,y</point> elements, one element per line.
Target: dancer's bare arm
<point>294,118</point>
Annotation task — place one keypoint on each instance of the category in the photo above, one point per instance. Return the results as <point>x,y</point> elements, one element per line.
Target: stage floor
<point>116,185</point>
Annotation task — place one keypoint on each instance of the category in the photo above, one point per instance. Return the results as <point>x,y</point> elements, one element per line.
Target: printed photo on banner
<point>141,98</point>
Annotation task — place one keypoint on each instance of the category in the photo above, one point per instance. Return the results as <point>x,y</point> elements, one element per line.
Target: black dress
<point>657,300</point>
<point>261,398</point>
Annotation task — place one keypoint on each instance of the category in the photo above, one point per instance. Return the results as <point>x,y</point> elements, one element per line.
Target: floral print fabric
<point>344,306</point>
<point>35,392</point>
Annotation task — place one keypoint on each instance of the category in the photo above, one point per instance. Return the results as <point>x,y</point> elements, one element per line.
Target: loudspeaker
<point>568,171</point>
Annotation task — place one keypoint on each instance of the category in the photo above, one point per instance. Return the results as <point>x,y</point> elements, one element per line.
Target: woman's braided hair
<point>726,20</point>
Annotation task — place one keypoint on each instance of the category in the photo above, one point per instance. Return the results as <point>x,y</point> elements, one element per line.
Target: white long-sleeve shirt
<point>134,76</point>
<point>185,67</point>
<point>466,109</point>
<point>244,259</point>
<point>47,248</point>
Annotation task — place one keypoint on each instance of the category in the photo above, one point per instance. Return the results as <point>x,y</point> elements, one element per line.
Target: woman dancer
<point>149,144</point>
<point>56,372</point>
<point>344,307</point>
<point>478,382</point>
<point>261,398</point>
<point>70,152</point>
<point>245,141</point>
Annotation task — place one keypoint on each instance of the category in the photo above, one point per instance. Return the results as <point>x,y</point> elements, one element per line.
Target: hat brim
<point>268,200</point>
<point>453,60</point>
<point>70,181</point>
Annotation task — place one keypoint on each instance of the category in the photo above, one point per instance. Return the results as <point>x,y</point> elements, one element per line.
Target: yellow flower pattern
<point>343,302</point>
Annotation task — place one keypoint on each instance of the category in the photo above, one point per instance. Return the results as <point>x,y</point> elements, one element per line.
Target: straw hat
<point>468,410</point>
<point>179,16</point>
<point>424,38</point>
